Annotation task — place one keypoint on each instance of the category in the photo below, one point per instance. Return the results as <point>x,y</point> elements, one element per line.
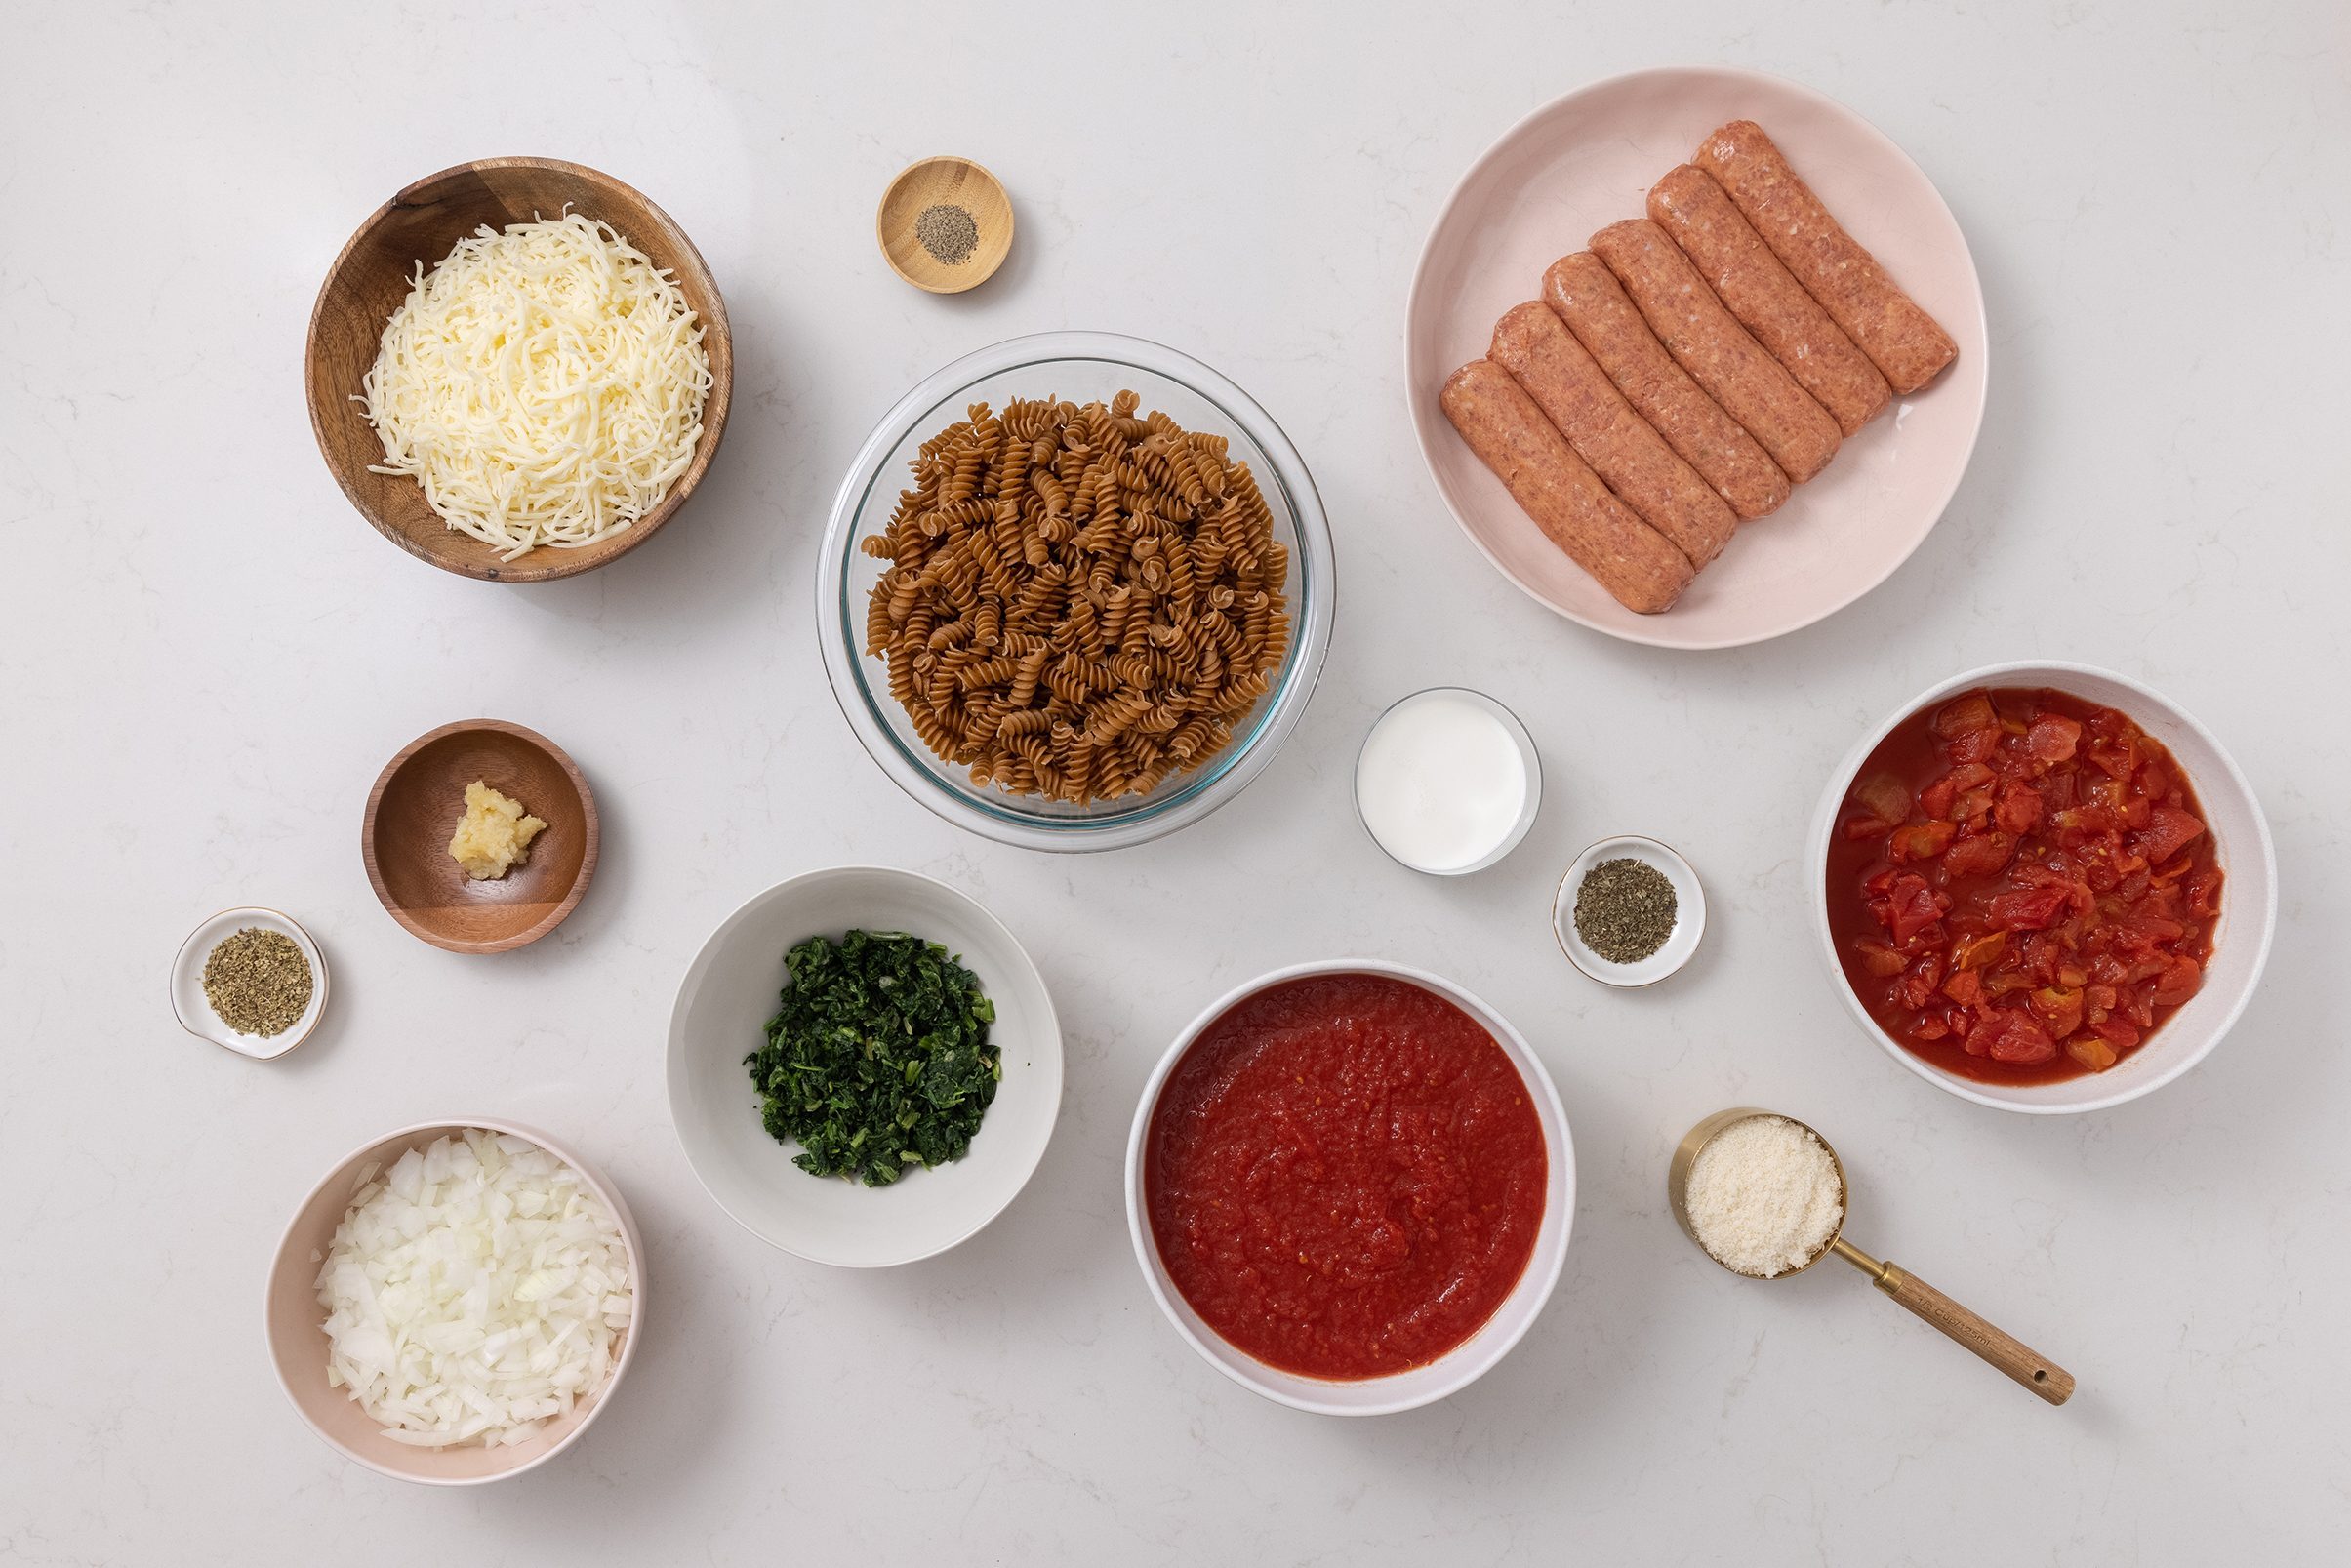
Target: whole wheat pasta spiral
<point>1079,601</point>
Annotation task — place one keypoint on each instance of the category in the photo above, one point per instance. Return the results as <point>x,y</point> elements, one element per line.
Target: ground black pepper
<point>258,981</point>
<point>948,232</point>
<point>1625,910</point>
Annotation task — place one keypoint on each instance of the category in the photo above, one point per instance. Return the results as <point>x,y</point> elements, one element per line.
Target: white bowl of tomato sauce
<point>1350,1186</point>
<point>2043,887</point>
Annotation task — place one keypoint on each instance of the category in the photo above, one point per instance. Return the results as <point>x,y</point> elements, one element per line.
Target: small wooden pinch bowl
<point>373,275</point>
<point>416,805</point>
<point>956,182</point>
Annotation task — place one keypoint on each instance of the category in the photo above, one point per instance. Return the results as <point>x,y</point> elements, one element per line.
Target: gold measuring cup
<point>2011,1355</point>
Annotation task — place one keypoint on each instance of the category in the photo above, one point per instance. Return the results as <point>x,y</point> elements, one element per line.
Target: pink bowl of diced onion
<point>299,1344</point>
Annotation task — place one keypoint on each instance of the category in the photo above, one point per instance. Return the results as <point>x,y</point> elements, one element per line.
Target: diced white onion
<point>473,1292</point>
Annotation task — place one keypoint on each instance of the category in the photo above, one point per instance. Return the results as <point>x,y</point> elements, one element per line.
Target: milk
<point>1443,780</point>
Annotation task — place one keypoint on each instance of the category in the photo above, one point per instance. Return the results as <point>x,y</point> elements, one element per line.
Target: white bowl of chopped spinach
<point>864,1067</point>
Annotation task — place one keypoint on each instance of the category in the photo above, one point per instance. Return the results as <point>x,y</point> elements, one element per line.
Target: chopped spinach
<point>879,1058</point>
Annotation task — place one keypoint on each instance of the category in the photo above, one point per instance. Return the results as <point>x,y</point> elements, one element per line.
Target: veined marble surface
<point>205,656</point>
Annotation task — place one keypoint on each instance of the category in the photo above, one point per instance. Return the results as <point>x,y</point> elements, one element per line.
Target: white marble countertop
<point>206,656</point>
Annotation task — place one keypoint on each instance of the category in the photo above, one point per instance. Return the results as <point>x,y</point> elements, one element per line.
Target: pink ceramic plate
<point>1581,163</point>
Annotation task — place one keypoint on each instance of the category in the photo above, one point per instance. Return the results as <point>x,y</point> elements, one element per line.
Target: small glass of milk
<point>1448,781</point>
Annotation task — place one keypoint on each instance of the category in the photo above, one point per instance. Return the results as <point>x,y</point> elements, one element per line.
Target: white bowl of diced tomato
<point>2043,887</point>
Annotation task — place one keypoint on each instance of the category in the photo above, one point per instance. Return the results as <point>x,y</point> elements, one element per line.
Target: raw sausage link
<point>1567,499</point>
<point>1767,299</point>
<point>1587,297</point>
<point>1904,341</point>
<point>1735,370</point>
<point>1631,458</point>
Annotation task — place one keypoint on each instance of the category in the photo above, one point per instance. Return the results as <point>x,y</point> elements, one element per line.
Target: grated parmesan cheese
<point>544,385</point>
<point>1764,1196</point>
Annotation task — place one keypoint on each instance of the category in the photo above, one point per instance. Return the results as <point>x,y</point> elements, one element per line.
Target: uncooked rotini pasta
<point>1080,601</point>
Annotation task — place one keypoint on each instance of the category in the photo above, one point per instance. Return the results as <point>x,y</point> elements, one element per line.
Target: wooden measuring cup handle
<point>2012,1356</point>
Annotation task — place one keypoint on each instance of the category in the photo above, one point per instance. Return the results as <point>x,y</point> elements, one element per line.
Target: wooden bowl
<point>373,275</point>
<point>416,803</point>
<point>297,1324</point>
<point>956,183</point>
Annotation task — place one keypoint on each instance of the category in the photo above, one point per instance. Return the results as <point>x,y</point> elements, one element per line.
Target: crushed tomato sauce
<point>1344,1176</point>
<point>2022,888</point>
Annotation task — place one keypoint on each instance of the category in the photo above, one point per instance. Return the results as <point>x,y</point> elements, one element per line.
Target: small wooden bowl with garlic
<point>424,814</point>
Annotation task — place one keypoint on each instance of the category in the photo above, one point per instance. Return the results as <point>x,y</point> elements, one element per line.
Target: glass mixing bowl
<point>1080,366</point>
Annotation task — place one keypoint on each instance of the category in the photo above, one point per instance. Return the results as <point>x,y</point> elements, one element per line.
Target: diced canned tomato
<point>2169,830</point>
<point>1880,958</point>
<point>1885,797</point>
<point>2091,1052</point>
<point>2052,738</point>
<point>1966,715</point>
<point>2024,886</point>
<point>2020,808</point>
<point>1921,841</point>
<point>1979,856</point>
<point>2009,1035</point>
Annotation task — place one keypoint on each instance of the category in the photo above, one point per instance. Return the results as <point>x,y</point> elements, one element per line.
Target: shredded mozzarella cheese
<point>474,1291</point>
<point>543,386</point>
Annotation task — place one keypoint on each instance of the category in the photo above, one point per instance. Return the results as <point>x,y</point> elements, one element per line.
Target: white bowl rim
<point>1644,633</point>
<point>629,1341</point>
<point>1563,1156</point>
<point>1311,631</point>
<point>1831,800</point>
<point>700,968</point>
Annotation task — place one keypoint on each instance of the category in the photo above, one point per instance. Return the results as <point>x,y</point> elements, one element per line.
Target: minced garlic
<point>495,835</point>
